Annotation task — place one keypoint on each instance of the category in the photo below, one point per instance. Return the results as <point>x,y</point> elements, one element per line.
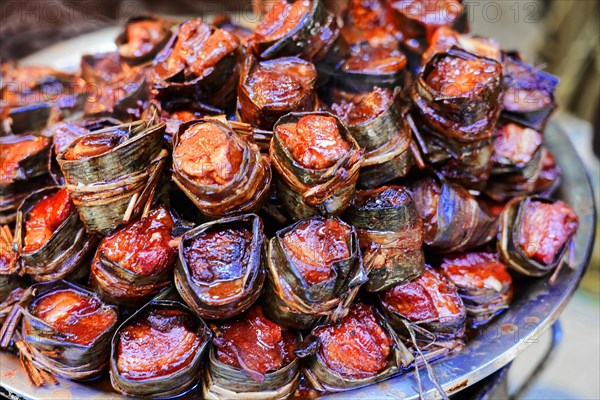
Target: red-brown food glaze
<point>371,21</point>
<point>427,197</point>
<point>80,317</point>
<point>8,258</point>
<point>142,38</point>
<point>219,255</point>
<point>545,229</point>
<point>65,133</point>
<point>45,217</point>
<point>430,13</point>
<point>358,109</point>
<point>142,247</point>
<point>550,172</point>
<point>481,270</point>
<point>281,19</point>
<point>430,296</point>
<point>357,347</point>
<point>159,343</point>
<point>445,38</point>
<point>455,76</point>
<point>515,143</point>
<point>13,153</point>
<point>314,141</point>
<point>314,245</point>
<point>371,60</point>
<point>208,154</point>
<point>93,145</point>
<point>255,344</point>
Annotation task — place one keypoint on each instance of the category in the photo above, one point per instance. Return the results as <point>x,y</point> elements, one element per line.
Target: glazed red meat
<point>281,19</point>
<point>431,13</point>
<point>45,218</point>
<point>93,145</point>
<point>455,76</point>
<point>314,245</point>
<point>314,141</point>
<point>445,38</point>
<point>375,60</point>
<point>545,229</point>
<point>357,347</point>
<point>142,38</point>
<point>430,296</point>
<point>160,343</point>
<point>64,134</point>
<point>142,247</point>
<point>479,270</point>
<point>79,316</point>
<point>13,153</point>
<point>515,143</point>
<point>255,344</point>
<point>358,109</point>
<point>208,154</point>
<point>217,255</point>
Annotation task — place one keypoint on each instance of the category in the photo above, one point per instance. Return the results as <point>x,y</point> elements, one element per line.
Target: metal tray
<point>536,306</point>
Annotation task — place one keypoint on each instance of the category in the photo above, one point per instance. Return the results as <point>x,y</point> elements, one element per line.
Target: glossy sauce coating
<point>431,13</point>
<point>516,143</point>
<point>358,109</point>
<point>8,258</point>
<point>481,270</point>
<point>208,154</point>
<point>142,246</point>
<point>314,141</point>
<point>427,197</point>
<point>65,133</point>
<point>93,145</point>
<point>255,344</point>
<point>13,153</point>
<point>375,60</point>
<point>314,245</point>
<point>383,197</point>
<point>142,38</point>
<point>45,217</point>
<point>454,76</point>
<point>357,347</point>
<point>545,229</point>
<point>445,38</point>
<point>219,255</point>
<point>281,19</point>
<point>550,172</point>
<point>430,296</point>
<point>159,343</point>
<point>80,317</point>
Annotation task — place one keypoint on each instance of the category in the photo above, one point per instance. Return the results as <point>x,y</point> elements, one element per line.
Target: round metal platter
<point>536,306</point>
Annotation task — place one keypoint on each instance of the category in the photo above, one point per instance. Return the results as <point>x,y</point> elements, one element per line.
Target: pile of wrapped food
<point>313,205</point>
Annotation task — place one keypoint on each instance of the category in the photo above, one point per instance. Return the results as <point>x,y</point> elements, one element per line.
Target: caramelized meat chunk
<point>15,152</point>
<point>456,76</point>
<point>480,270</point>
<point>427,198</point>
<point>93,145</point>
<point>143,37</point>
<point>281,19</point>
<point>516,143</point>
<point>358,109</point>
<point>371,60</point>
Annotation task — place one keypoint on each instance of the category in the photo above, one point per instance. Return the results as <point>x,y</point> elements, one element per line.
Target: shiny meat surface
<point>427,197</point>
<point>208,154</point>
<point>314,245</point>
<point>78,316</point>
<point>255,344</point>
<point>142,246</point>
<point>45,218</point>
<point>281,19</point>
<point>545,229</point>
<point>358,109</point>
<point>357,347</point>
<point>219,255</point>
<point>445,38</point>
<point>454,76</point>
<point>8,258</point>
<point>142,38</point>
<point>314,141</point>
<point>479,270</point>
<point>159,343</point>
<point>430,296</point>
<point>375,60</point>
<point>383,197</point>
<point>432,13</point>
<point>515,143</point>
<point>13,153</point>
<point>65,133</point>
<point>93,145</point>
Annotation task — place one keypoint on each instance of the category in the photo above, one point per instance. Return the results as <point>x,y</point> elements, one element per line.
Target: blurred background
<point>561,37</point>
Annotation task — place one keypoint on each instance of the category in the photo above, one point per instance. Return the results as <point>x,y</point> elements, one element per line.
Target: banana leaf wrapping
<point>142,38</point>
<point>227,382</point>
<point>483,284</point>
<point>454,116</point>
<point>550,174</point>
<point>136,261</point>
<point>248,187</point>
<point>535,235</point>
<point>304,191</point>
<point>270,89</point>
<point>199,63</point>
<point>57,351</point>
<point>293,303</point>
<point>528,93</point>
<point>179,378</point>
<point>310,32</point>
<point>104,186</point>
<point>8,265</point>
<point>224,296</point>
<point>437,324</point>
<point>22,175</point>
<point>324,378</point>
<point>515,173</point>
<point>453,219</point>
<point>390,234</point>
<point>64,255</point>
